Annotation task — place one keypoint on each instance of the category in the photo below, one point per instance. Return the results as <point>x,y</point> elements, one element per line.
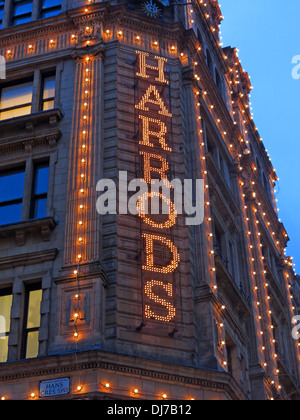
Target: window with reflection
<point>40,191</point>
<point>11,195</point>
<point>50,8</point>
<point>33,300</point>
<point>22,11</point>
<point>16,100</point>
<point>5,311</point>
<point>2,2</point>
<point>48,93</point>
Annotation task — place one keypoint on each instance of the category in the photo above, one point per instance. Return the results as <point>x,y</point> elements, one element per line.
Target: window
<point>16,100</point>
<point>48,93</point>
<point>11,195</point>
<point>40,191</point>
<point>22,11</point>
<point>232,259</point>
<point>199,35</point>
<point>33,300</point>
<point>219,82</point>
<point>209,61</point>
<point>12,186</point>
<point>5,310</point>
<point>229,359</point>
<point>225,170</point>
<point>2,2</point>
<point>50,8</point>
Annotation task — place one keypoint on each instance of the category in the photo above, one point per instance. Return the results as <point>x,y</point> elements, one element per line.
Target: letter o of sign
<point>141,207</point>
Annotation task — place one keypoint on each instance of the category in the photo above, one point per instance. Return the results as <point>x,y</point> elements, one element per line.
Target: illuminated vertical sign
<point>161,256</point>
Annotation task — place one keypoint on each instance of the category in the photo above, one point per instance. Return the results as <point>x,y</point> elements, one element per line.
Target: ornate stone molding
<point>20,230</point>
<point>95,51</point>
<point>97,360</point>
<point>28,259</point>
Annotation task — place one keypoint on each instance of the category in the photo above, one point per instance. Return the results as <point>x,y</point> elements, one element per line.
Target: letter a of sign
<point>146,99</point>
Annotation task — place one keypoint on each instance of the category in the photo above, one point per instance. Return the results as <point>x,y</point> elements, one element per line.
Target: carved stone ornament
<point>94,51</point>
<point>90,32</point>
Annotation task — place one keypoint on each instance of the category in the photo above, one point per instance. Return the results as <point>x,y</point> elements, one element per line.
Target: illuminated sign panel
<point>161,257</point>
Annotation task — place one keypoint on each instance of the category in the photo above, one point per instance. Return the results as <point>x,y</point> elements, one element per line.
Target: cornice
<point>28,259</point>
<point>123,365</point>
<point>34,30</point>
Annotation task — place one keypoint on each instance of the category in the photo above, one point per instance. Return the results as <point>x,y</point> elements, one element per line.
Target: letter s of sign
<point>296,69</point>
<point>296,329</point>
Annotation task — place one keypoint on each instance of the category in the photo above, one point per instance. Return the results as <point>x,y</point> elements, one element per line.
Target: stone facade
<point>231,336</point>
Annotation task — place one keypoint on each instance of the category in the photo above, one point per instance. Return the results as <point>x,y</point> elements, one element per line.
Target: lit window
<point>50,8</point>
<point>2,2</point>
<point>16,100</point>
<point>22,12</point>
<point>33,302</point>
<point>40,191</point>
<point>11,195</point>
<point>5,310</point>
<point>48,94</point>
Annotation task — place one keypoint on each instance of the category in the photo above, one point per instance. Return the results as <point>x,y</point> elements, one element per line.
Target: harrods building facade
<point>134,306</point>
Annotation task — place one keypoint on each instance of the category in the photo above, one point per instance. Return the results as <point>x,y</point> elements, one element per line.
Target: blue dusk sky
<point>267,33</point>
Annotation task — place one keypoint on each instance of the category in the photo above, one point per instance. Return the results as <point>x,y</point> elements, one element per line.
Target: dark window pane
<point>42,176</point>
<point>19,21</point>
<point>22,12</point>
<point>40,210</point>
<point>40,190</point>
<point>1,12</point>
<point>11,185</point>
<point>23,7</point>
<point>50,13</point>
<point>51,8</point>
<point>47,4</point>
<point>10,214</point>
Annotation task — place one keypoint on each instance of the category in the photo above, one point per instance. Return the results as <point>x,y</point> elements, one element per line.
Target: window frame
<point>25,332</point>
<point>43,101</point>
<point>35,197</point>
<point>2,6</point>
<point>29,197</point>
<point>43,10</point>
<point>14,17</point>
<point>18,82</point>
<point>37,78</point>
<point>7,203</point>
